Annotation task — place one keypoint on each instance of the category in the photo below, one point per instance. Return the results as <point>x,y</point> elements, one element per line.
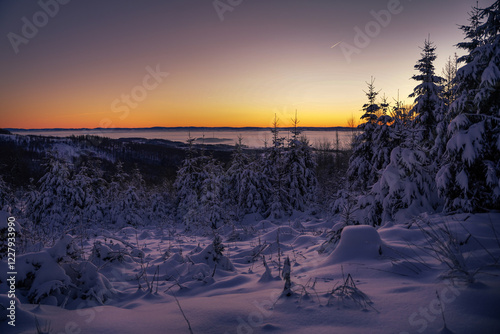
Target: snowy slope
<point>396,278</point>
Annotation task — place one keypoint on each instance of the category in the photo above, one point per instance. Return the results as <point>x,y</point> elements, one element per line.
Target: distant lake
<point>251,138</point>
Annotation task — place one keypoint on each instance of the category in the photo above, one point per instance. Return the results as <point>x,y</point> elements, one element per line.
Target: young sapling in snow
<point>267,275</point>
<point>218,249</point>
<point>287,290</point>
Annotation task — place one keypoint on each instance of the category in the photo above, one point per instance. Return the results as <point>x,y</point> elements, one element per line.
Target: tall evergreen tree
<point>49,206</point>
<point>127,198</point>
<point>211,195</point>
<point>188,184</point>
<point>160,205</point>
<point>469,179</point>
<point>234,187</point>
<point>254,195</point>
<point>273,169</point>
<point>428,105</point>
<point>300,170</point>
<point>361,173</point>
<point>88,196</point>
<point>407,180</point>
<point>130,208</point>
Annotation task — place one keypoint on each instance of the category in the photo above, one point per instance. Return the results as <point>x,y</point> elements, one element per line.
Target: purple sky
<point>88,65</point>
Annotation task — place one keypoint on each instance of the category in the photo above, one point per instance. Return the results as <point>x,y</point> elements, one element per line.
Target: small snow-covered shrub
<point>102,253</point>
<point>88,283</point>
<point>344,203</point>
<point>185,271</point>
<point>212,255</point>
<point>333,237</point>
<point>41,279</point>
<point>65,250</point>
<point>57,275</point>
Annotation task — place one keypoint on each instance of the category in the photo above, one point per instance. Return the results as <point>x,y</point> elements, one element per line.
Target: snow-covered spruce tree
<point>126,198</point>
<point>384,138</point>
<point>212,212</point>
<point>429,114</point>
<point>160,205</point>
<point>88,197</point>
<point>49,206</point>
<point>469,179</point>
<point>407,181</point>
<point>311,180</point>
<point>188,185</point>
<point>246,187</point>
<point>115,193</point>
<point>300,178</point>
<point>233,183</point>
<point>361,173</point>
<point>130,208</point>
<point>387,136</point>
<point>254,189</point>
<point>428,106</point>
<point>273,169</point>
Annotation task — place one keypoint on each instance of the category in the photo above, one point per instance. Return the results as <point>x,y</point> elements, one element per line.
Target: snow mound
<point>357,242</point>
<point>40,277</point>
<point>102,253</point>
<point>210,256</point>
<point>88,283</point>
<point>264,225</point>
<point>65,249</point>
<point>285,233</point>
<point>58,275</point>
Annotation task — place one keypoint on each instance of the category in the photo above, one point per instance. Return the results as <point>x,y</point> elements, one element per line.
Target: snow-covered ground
<point>393,279</point>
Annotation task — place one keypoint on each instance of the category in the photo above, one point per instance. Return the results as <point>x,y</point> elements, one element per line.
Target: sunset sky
<point>89,62</point>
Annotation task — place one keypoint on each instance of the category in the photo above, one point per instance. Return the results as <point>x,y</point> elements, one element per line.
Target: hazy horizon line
<point>185,127</point>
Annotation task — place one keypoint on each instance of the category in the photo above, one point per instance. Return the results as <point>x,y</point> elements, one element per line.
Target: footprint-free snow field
<point>435,274</point>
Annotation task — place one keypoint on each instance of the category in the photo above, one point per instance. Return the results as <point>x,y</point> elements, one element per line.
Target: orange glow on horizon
<point>41,121</point>
<point>85,111</point>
